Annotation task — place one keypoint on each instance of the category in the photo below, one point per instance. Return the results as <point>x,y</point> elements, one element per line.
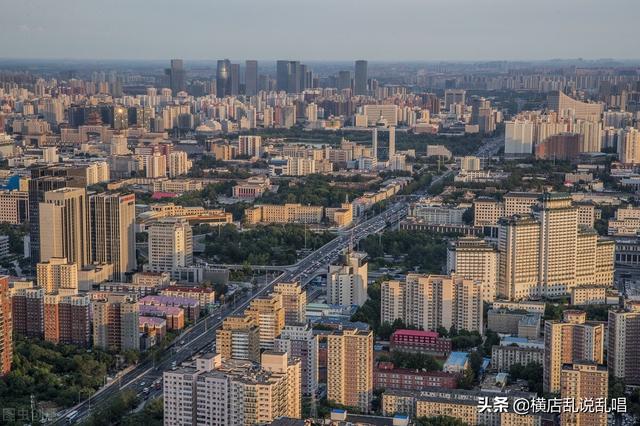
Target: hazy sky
<point>320,29</point>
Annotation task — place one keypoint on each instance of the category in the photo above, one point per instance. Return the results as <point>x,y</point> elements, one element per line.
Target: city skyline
<point>429,29</point>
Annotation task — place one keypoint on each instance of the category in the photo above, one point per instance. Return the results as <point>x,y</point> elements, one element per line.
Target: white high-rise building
<point>156,165</point>
<point>629,146</point>
<point>299,341</point>
<point>170,244</point>
<point>178,164</point>
<point>518,137</point>
<point>347,283</point>
<point>475,259</point>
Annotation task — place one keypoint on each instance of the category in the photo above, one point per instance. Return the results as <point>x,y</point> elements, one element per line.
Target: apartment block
<point>432,301</point>
<point>350,368</point>
<point>568,341</point>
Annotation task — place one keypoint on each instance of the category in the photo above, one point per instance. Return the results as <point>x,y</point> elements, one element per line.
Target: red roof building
<point>428,342</point>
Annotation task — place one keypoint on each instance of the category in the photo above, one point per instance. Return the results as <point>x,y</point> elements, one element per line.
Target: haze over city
<point>327,30</point>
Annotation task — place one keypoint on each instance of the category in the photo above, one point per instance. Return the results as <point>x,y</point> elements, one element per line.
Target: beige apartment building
<point>623,353</point>
<point>569,341</point>
<point>350,368</point>
<point>14,206</point>
<point>239,338</point>
<point>65,226</point>
<point>294,302</point>
<point>432,301</point>
<point>115,323</point>
<point>231,392</point>
<point>475,259</point>
<point>269,315</point>
<point>347,281</point>
<point>578,382</point>
<point>57,275</point>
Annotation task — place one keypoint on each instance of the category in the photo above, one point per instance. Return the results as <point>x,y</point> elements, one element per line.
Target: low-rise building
<point>418,341</point>
<point>386,376</point>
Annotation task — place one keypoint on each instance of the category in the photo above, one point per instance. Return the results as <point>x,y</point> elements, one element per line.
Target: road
<point>200,336</point>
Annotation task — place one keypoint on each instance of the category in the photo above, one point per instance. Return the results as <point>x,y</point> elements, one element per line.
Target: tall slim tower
<point>64,226</point>
<point>177,76</point>
<point>350,368</point>
<point>374,142</point>
<point>251,77</point>
<point>360,84</point>
<point>235,79</point>
<point>392,141</point>
<point>113,237</point>
<point>223,78</point>
<point>170,244</point>
<point>6,327</point>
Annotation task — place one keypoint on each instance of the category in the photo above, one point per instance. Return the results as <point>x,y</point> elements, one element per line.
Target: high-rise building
<point>350,368</point>
<point>360,84</point>
<point>574,339</point>
<point>550,253</point>
<point>475,259</point>
<point>579,382</point>
<point>251,77</point>
<point>6,327</point>
<point>170,244</point>
<point>232,392</point>
<point>566,106</point>
<point>623,354</point>
<point>558,241</point>
<point>27,309</point>
<point>115,323</point>
<point>178,164</point>
<point>344,80</point>
<point>294,302</point>
<point>347,282</point>
<point>65,226</point>
<point>223,78</point>
<point>392,142</point>
<point>44,179</point>
<point>288,76</point>
<point>432,301</point>
<point>268,313</point>
<point>239,338</point>
<point>519,257</point>
<point>66,319</point>
<point>299,342</point>
<point>250,145</point>
<point>453,97</point>
<point>113,235</point>
<point>57,275</point>
<point>235,79</point>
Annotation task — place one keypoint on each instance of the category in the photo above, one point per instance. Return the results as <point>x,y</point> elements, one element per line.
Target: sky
<point>377,30</point>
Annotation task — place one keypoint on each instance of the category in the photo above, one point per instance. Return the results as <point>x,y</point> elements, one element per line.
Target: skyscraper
<point>223,78</point>
<point>177,76</point>
<point>360,84</point>
<point>344,80</point>
<point>64,226</point>
<point>392,142</point>
<point>235,79</point>
<point>251,77</point>
<point>6,327</point>
<point>43,179</point>
<point>113,236</point>
<point>350,368</point>
<point>288,76</point>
